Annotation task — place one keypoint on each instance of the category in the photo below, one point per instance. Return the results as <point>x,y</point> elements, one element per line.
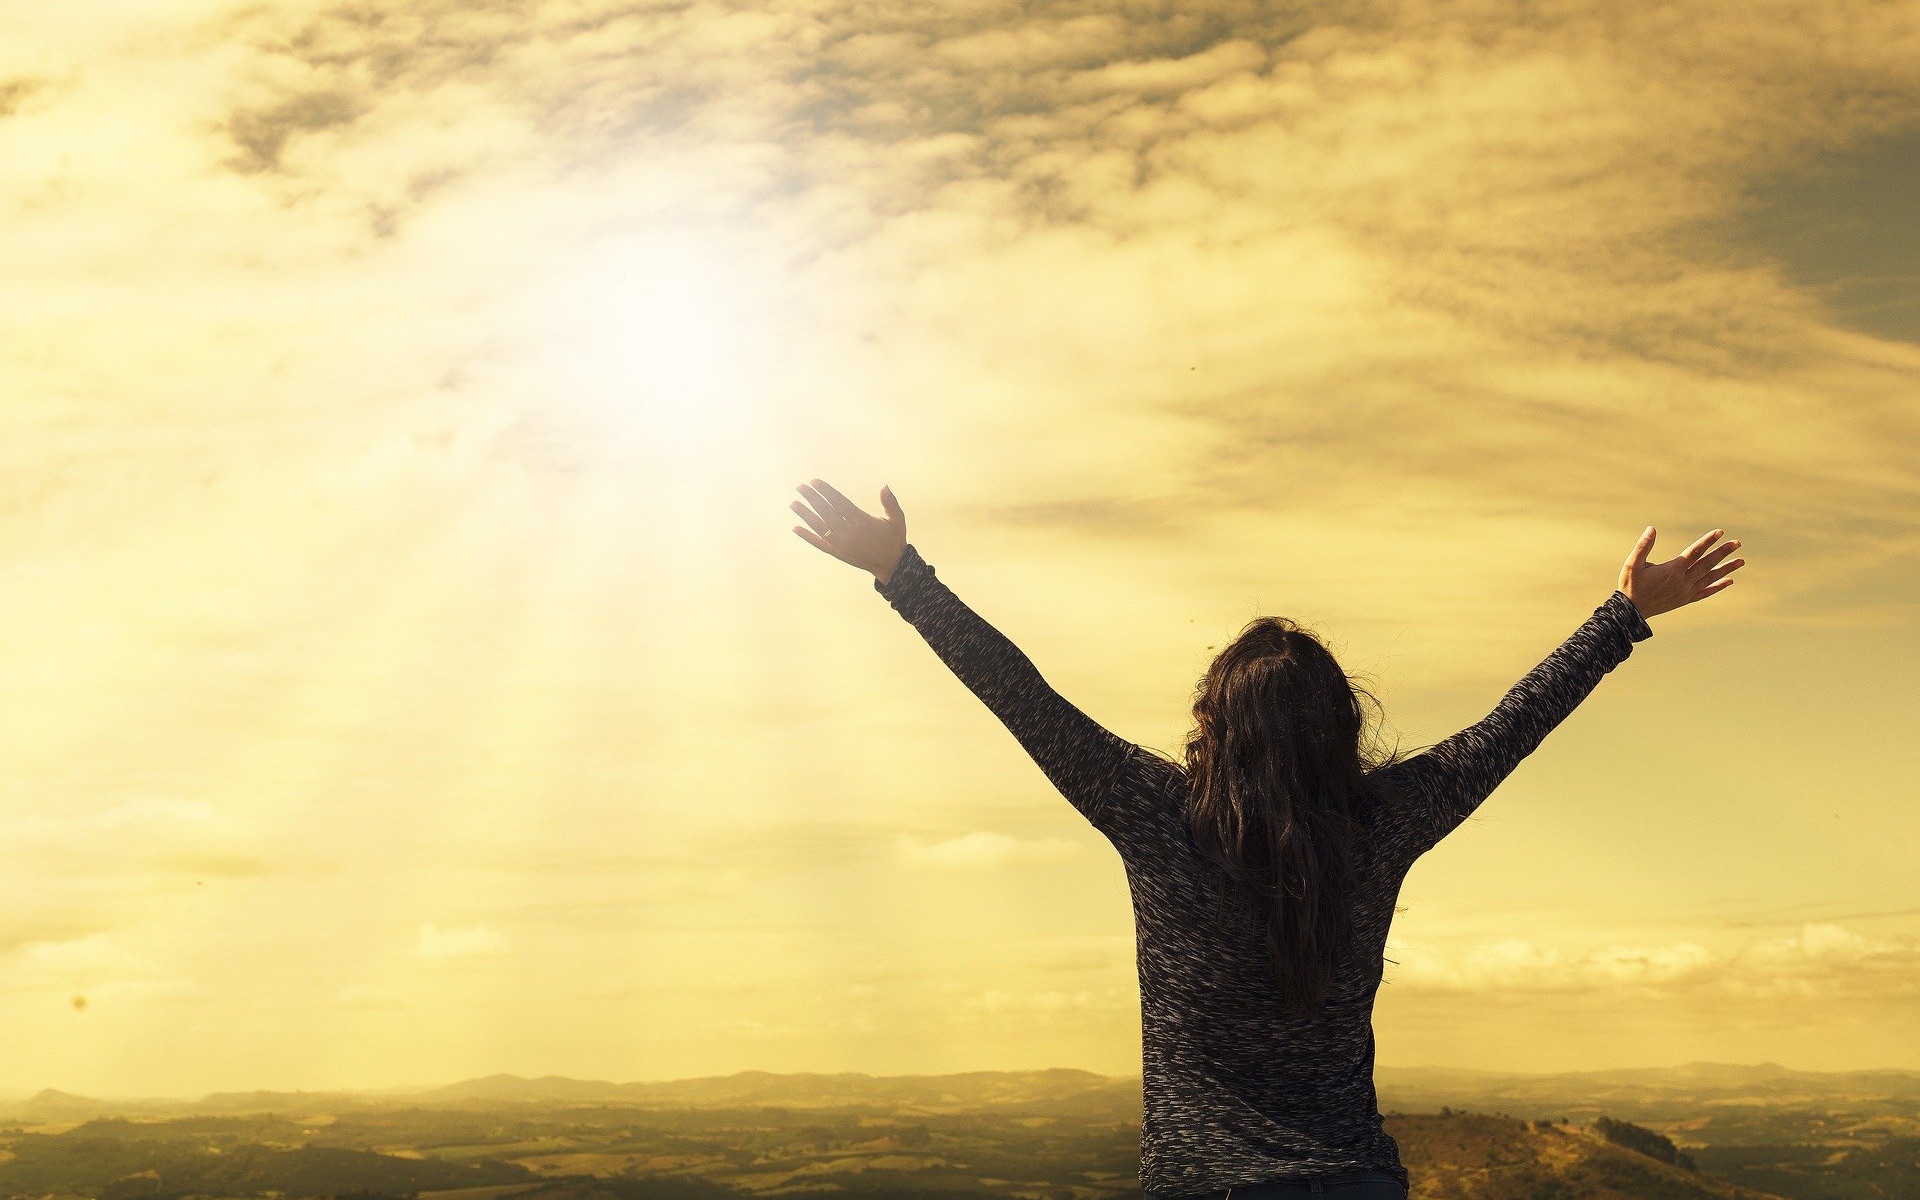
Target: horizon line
<point>15,1095</point>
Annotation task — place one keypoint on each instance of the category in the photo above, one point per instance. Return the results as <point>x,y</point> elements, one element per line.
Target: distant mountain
<point>283,1102</point>
<point>969,1091</point>
<point>545,1088</point>
<point>1084,1092</point>
<point>1710,1073</point>
<point>50,1103</point>
<point>1638,1093</point>
<point>53,1105</point>
<point>1652,1093</point>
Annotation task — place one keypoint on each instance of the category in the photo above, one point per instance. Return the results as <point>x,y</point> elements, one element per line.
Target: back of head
<point>1279,795</point>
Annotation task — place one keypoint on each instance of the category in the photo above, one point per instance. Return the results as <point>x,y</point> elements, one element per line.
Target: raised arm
<point>1080,758</point>
<point>1451,779</point>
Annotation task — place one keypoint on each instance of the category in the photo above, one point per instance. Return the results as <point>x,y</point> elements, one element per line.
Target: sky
<point>408,670</point>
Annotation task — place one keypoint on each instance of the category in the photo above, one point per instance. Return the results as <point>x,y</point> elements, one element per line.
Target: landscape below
<point>1683,1133</point>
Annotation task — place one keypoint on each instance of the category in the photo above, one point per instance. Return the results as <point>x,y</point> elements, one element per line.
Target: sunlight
<point>663,336</point>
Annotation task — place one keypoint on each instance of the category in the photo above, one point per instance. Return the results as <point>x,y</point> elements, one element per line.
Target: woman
<point>1264,868</point>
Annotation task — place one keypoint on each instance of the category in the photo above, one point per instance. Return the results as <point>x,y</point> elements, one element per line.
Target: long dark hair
<point>1279,795</point>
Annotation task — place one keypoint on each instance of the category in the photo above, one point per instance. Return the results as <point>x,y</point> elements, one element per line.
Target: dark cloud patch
<point>1137,518</point>
<point>13,91</point>
<point>1846,227</point>
<point>624,75</point>
<point>261,134</point>
<point>1028,92</point>
<point>981,71</point>
<point>392,43</point>
<point>383,217</point>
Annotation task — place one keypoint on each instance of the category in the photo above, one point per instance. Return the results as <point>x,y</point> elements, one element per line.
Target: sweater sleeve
<point>1450,779</point>
<point>1081,759</point>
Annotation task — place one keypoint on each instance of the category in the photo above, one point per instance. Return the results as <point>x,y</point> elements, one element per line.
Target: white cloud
<point>471,942</point>
<point>95,966</point>
<point>1111,999</point>
<point>1822,959</point>
<point>156,834</point>
<point>84,960</point>
<point>984,848</point>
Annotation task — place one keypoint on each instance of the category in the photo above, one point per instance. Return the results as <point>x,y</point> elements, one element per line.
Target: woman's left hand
<point>856,538</point>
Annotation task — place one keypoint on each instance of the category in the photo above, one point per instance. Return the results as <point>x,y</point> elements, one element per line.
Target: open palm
<point>1694,574</point>
<point>857,538</point>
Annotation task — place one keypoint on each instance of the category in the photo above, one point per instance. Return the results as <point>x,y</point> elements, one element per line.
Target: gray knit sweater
<point>1235,1090</point>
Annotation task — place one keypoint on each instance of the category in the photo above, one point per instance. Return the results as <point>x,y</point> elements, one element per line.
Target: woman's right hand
<point>1693,575</point>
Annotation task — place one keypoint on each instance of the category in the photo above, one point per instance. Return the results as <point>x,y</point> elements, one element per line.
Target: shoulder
<point>1396,779</point>
<point>1158,765</point>
<point>1158,780</point>
<point>1397,791</point>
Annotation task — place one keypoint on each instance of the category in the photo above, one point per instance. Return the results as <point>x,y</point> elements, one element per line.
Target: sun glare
<point>665,336</point>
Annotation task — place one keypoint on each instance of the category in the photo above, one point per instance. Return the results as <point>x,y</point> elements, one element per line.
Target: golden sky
<point>407,671</point>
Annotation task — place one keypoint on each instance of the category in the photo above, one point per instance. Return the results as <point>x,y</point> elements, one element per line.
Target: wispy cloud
<point>157,834</point>
<point>1822,960</point>
<point>92,967</point>
<point>470,942</point>
<point>984,848</point>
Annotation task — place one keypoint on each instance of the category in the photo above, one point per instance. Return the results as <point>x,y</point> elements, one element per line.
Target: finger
<point>1713,556</point>
<point>1640,548</point>
<point>815,540</point>
<point>1722,572</point>
<point>847,508</point>
<point>1721,586</point>
<point>806,514</point>
<point>835,519</point>
<point>891,505</point>
<point>1700,545</point>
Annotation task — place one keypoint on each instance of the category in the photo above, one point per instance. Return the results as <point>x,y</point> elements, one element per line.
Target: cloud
<point>49,921</point>
<point>13,92</point>
<point>1117,999</point>
<point>1820,960</point>
<point>157,834</point>
<point>1158,78</point>
<point>474,941</point>
<point>261,133</point>
<point>95,966</point>
<point>1512,963</point>
<point>1070,954</point>
<point>90,958</point>
<point>371,997</point>
<point>1407,242</point>
<point>984,848</point>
